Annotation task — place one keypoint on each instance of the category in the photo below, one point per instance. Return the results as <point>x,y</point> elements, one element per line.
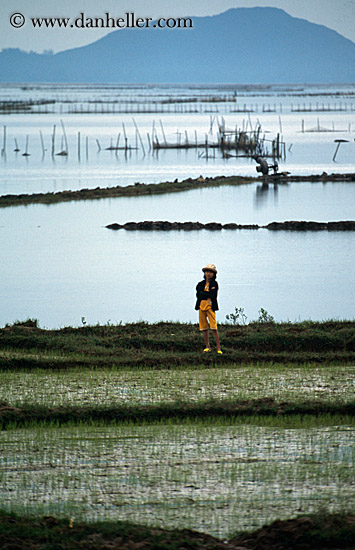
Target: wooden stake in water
<point>42,143</point>
<point>3,150</point>
<point>125,136</point>
<point>26,153</point>
<point>66,150</point>
<point>140,139</point>
<point>338,141</point>
<point>53,141</point>
<point>162,129</point>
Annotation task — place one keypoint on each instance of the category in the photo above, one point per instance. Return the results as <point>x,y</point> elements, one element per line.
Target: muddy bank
<point>267,406</point>
<point>348,225</point>
<point>141,189</point>
<point>311,532</point>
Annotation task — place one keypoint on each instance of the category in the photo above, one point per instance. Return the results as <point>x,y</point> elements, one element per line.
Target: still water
<point>60,263</point>
<point>306,153</point>
<point>308,120</point>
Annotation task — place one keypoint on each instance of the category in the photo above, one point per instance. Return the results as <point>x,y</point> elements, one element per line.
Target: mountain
<point>242,45</point>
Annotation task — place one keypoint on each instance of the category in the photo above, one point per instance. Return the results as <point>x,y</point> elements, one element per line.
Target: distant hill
<point>243,45</point>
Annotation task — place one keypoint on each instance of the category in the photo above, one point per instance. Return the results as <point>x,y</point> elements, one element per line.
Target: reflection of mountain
<point>244,45</point>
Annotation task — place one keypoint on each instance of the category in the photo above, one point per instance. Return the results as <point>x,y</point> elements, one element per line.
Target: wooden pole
<point>26,153</point>
<point>42,142</point>
<point>280,123</point>
<point>65,137</point>
<point>140,139</point>
<point>53,140</point>
<point>3,152</point>
<point>162,129</point>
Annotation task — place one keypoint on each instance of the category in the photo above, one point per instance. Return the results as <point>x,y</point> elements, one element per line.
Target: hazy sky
<point>338,15</point>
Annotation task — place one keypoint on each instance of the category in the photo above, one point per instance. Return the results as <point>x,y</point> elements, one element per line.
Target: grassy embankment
<point>141,189</point>
<point>163,355</point>
<point>286,390</point>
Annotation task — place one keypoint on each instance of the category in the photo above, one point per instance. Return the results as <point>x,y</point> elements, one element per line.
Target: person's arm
<point>209,294</point>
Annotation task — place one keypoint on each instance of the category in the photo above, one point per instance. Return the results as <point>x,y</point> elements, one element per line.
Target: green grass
<point>173,345</point>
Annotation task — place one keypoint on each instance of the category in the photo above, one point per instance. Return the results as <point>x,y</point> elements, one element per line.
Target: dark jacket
<point>201,294</point>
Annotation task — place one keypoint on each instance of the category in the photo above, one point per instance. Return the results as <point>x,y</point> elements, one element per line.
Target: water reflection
<point>264,191</point>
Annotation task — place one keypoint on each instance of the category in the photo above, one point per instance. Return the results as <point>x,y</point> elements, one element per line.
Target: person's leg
<point>206,339</point>
<point>213,326</point>
<point>216,337</point>
<point>202,319</point>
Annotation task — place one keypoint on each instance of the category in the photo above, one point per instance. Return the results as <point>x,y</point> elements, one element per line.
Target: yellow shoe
<point>220,352</point>
<point>206,350</point>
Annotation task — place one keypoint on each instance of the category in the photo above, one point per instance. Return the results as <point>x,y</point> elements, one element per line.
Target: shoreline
<point>142,189</point>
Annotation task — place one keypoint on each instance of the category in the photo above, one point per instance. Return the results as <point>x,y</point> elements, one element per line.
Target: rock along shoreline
<point>347,225</point>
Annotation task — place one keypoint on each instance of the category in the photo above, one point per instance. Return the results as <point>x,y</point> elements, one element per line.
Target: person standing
<point>207,305</point>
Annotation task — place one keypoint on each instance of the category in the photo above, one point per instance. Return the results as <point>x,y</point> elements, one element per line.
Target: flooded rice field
<point>87,388</point>
<point>61,265</point>
<point>215,479</point>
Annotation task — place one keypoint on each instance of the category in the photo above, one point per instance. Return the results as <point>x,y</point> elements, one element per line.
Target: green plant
<point>238,317</point>
<point>265,317</point>
<point>30,323</point>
